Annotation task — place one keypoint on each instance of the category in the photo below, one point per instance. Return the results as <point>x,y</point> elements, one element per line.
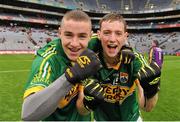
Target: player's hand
<point>93,94</point>
<point>126,54</point>
<point>86,65</point>
<point>149,77</point>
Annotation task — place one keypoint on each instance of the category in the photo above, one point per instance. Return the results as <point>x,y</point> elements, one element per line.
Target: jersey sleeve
<point>41,76</point>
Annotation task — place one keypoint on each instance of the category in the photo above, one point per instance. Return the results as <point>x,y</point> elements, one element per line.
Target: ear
<point>91,34</point>
<point>98,34</point>
<point>126,36</point>
<point>59,32</point>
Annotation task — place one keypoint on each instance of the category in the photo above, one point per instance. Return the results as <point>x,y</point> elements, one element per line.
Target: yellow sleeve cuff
<point>32,90</point>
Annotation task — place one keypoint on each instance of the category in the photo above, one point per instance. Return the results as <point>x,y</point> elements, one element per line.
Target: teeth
<point>112,46</point>
<point>74,50</point>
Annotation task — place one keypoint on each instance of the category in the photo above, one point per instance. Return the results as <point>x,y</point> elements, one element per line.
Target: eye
<point>118,33</point>
<point>106,32</point>
<point>68,35</point>
<point>83,36</point>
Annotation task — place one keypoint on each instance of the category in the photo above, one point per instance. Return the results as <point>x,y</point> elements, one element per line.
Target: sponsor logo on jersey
<point>117,93</point>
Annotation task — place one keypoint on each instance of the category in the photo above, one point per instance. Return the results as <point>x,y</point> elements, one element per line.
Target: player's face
<point>75,37</point>
<point>153,44</point>
<point>113,37</point>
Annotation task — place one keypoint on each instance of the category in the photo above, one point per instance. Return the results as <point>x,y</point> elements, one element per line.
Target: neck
<point>111,61</point>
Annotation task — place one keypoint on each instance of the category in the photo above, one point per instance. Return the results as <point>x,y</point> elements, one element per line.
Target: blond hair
<point>76,15</point>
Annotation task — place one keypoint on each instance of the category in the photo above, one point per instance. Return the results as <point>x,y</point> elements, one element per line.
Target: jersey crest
<point>123,77</point>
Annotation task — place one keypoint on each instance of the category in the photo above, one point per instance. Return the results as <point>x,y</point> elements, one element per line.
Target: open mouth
<point>74,49</point>
<point>110,46</point>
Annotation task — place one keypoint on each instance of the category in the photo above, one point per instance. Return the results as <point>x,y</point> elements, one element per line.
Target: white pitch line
<point>11,71</point>
<point>16,60</point>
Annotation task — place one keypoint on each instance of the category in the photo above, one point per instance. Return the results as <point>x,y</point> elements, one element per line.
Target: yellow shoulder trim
<point>32,90</point>
<point>44,61</point>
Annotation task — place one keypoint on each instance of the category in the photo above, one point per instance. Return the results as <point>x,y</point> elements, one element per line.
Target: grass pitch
<point>168,106</point>
<point>14,70</point>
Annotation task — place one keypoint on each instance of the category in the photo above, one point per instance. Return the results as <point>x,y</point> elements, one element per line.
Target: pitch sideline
<point>12,71</point>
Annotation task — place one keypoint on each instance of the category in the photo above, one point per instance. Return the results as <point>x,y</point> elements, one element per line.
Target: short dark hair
<point>113,17</point>
<point>156,42</point>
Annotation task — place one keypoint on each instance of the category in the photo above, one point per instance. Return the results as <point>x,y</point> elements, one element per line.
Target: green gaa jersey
<point>119,86</point>
<point>49,64</point>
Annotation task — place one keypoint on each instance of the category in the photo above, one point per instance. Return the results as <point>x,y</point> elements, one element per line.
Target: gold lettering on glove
<point>83,60</point>
<point>69,72</point>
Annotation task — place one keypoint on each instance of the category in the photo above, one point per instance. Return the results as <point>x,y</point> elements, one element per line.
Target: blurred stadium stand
<point>20,38</point>
<point>31,22</point>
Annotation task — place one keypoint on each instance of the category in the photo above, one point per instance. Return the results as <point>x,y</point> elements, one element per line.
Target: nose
<point>75,42</point>
<point>112,37</point>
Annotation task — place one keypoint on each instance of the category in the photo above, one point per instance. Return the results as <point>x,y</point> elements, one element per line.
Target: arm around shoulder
<point>41,104</point>
<point>146,104</point>
<point>151,103</point>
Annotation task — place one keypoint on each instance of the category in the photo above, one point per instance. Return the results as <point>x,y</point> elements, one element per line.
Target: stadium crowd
<point>21,38</point>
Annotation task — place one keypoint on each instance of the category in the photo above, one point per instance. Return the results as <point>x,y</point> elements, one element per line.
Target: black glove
<point>86,65</point>
<point>93,94</point>
<point>126,54</point>
<point>149,77</point>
